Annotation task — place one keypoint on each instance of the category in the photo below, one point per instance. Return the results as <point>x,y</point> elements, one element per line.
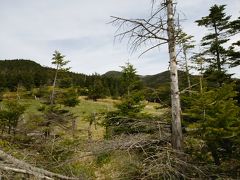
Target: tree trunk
<point>53,90</point>
<point>175,99</point>
<point>200,62</point>
<point>219,67</point>
<point>187,70</point>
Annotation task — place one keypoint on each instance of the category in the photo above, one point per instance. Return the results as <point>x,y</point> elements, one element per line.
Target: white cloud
<point>78,28</point>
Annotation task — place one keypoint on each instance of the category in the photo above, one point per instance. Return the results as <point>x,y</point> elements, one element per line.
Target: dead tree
<point>186,43</point>
<point>153,32</point>
<point>11,164</point>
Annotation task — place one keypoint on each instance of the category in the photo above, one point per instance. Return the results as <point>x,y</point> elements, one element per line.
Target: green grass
<point>153,109</point>
<point>106,165</point>
<point>86,107</point>
<point>31,105</point>
<point>83,112</point>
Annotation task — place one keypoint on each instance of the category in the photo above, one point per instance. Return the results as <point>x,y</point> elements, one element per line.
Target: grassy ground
<point>154,109</point>
<point>93,166</point>
<point>83,112</point>
<point>88,107</point>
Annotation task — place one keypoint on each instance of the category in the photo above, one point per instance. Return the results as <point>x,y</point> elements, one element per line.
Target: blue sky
<point>33,29</point>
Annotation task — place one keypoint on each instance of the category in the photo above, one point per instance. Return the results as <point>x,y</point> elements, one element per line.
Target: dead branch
<point>170,164</point>
<point>23,171</point>
<point>141,32</point>
<point>29,169</point>
<point>186,89</point>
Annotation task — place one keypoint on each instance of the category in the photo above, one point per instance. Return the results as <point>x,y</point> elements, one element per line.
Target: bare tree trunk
<point>175,99</point>
<point>187,70</point>
<point>53,90</point>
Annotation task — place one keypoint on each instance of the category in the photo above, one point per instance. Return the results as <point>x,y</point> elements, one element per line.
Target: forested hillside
<point>29,74</point>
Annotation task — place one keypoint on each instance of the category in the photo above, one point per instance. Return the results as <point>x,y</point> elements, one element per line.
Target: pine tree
<point>96,89</point>
<point>214,118</point>
<point>218,24</point>
<point>58,60</point>
<point>10,116</point>
<point>129,78</point>
<point>69,97</point>
<point>233,51</point>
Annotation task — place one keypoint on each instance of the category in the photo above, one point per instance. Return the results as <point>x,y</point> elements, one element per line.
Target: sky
<point>80,29</point>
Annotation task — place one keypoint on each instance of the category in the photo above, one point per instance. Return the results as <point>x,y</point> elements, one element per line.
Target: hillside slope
<point>30,74</point>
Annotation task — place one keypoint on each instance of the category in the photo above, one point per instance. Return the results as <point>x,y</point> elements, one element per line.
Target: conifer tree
<point>97,89</point>
<point>233,51</point>
<point>129,78</point>
<point>58,60</point>
<point>218,23</point>
<point>215,54</point>
<point>214,116</point>
<point>10,116</point>
<point>69,97</point>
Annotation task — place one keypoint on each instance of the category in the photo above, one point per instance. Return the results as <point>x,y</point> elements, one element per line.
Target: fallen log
<point>25,168</point>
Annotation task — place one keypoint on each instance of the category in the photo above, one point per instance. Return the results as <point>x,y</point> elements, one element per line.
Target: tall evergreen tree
<point>218,24</point>
<point>129,78</point>
<point>58,60</point>
<point>96,88</point>
<point>214,118</point>
<point>233,51</point>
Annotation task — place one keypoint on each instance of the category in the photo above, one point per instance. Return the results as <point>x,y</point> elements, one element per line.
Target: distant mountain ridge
<point>155,80</point>
<point>114,74</point>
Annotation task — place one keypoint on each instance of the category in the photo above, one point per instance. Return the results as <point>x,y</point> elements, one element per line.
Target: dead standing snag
<point>153,32</point>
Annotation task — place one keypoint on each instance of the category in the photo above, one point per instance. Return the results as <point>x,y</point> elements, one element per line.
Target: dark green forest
<point>28,74</point>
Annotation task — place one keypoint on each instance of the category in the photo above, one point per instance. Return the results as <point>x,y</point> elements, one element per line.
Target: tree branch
<point>23,166</point>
